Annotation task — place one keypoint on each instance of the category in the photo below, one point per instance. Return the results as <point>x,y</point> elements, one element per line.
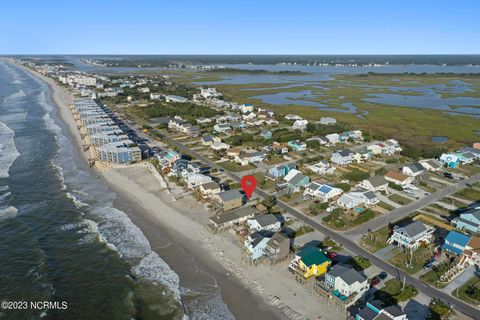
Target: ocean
<point>61,237</point>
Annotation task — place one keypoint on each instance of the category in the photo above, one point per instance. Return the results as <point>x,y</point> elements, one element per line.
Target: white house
<point>196,179</point>
<point>219,145</point>
<point>356,198</point>
<point>413,170</point>
<point>347,281</point>
<point>222,127</point>
<point>321,191</point>
<point>256,243</point>
<point>342,157</point>
<point>247,107</point>
<point>300,125</point>
<point>293,117</point>
<point>263,222</point>
<point>398,178</point>
<point>327,121</point>
<point>333,138</point>
<point>322,167</point>
<point>411,235</point>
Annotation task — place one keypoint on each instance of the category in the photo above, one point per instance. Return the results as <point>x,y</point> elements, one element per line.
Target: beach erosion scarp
<point>155,216</point>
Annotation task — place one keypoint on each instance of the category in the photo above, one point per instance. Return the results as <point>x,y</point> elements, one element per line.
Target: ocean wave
<point>8,212</point>
<point>16,82</point>
<point>8,150</point>
<point>14,117</point>
<point>3,196</point>
<point>17,95</point>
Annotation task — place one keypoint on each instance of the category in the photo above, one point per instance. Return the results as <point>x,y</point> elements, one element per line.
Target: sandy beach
<point>176,231</point>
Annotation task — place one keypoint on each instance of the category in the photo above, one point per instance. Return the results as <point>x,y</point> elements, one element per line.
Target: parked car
<point>428,265</point>
<point>331,255</point>
<point>375,281</point>
<point>448,175</point>
<point>383,275</point>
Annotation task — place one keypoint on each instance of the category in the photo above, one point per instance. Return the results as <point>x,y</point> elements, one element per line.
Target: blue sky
<point>240,27</point>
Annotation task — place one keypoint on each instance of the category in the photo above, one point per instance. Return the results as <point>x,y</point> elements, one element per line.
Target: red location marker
<point>248,183</point>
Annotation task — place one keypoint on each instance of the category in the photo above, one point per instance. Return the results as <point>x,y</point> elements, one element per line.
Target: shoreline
<point>233,293</point>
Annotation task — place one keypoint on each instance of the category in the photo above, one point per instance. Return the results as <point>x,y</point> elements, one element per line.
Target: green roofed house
<point>310,261</point>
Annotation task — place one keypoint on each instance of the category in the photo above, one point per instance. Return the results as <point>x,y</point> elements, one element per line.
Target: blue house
<point>297,145</point>
<point>468,221</point>
<point>455,242</point>
<point>266,134</point>
<point>281,171</point>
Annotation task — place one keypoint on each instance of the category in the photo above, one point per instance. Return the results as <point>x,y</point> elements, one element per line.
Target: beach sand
<point>176,231</point>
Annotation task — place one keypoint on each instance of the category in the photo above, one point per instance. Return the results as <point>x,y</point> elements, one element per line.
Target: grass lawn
<point>274,160</point>
<point>392,292</point>
<point>338,219</point>
<point>433,276</point>
<point>385,206</point>
<point>234,167</point>
<point>420,256</point>
<point>399,199</point>
<point>359,263</point>
<point>263,182</point>
<point>303,230</point>
<point>469,194</point>
<point>469,292</point>
<point>376,240</point>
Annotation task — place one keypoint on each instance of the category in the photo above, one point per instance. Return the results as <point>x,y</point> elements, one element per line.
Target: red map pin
<point>248,183</point>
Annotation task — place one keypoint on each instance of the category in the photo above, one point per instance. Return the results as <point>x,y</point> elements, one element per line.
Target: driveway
<point>460,280</point>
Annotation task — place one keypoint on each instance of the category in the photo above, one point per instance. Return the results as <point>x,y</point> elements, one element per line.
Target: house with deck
<point>228,200</point>
<point>281,171</point>
<point>342,157</point>
<point>450,160</point>
<point>398,178</point>
<point>322,167</point>
<point>374,311</point>
<point>207,190</point>
<point>468,221</point>
<point>277,248</point>
<point>300,124</point>
<point>296,145</point>
<point>310,261</point>
<point>412,235</point>
<point>256,243</point>
<point>347,282</point>
<point>413,170</point>
<point>264,222</point>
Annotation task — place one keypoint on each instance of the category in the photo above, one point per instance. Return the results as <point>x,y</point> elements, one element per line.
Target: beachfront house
<point>342,157</point>
<point>296,180</point>
<point>310,261</point>
<point>264,222</point>
<point>413,170</point>
<point>375,183</point>
<point>450,160</point>
<point>398,178</point>
<point>232,218</point>
<point>277,248</point>
<point>228,200</point>
<point>362,155</point>
<point>119,152</point>
<point>347,281</point>
<point>296,145</point>
<point>207,190</point>
<point>468,221</point>
<point>322,192</point>
<point>411,235</point>
<point>374,311</point>
<point>255,244</point>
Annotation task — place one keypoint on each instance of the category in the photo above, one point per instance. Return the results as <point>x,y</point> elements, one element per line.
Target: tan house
<point>229,200</point>
<point>398,178</point>
<point>277,248</point>
<point>207,190</point>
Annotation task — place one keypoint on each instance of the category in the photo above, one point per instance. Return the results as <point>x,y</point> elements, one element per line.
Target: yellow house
<point>311,261</point>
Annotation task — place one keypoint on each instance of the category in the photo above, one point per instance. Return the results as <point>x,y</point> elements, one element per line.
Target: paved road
<point>402,212</point>
<point>346,240</point>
